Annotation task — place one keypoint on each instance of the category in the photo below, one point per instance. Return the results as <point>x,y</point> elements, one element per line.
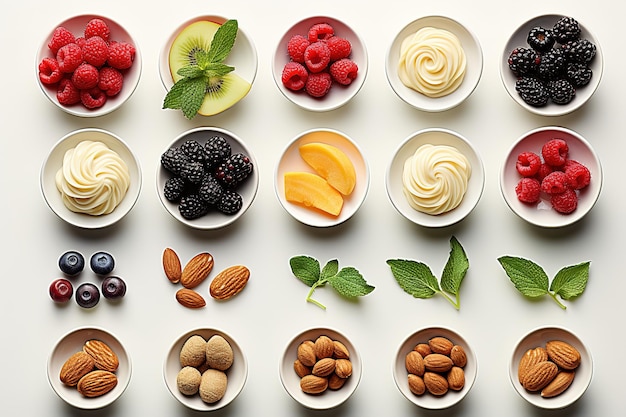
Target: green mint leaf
<point>202,58</point>
<point>173,98</point>
<point>571,281</point>
<point>330,269</point>
<point>223,41</point>
<point>529,278</point>
<point>190,71</point>
<point>414,277</point>
<point>306,269</point>
<point>455,269</point>
<point>192,96</point>
<point>217,69</point>
<point>350,283</point>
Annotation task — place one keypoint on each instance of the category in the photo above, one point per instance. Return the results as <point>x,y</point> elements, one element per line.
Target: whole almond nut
<point>193,351</point>
<point>530,358</point>
<point>324,347</point>
<point>539,376</point>
<point>96,383</point>
<point>335,382</point>
<point>416,384</point>
<point>229,282</point>
<point>324,367</point>
<point>435,383</point>
<point>171,265</point>
<point>300,369</point>
<point>343,368</point>
<point>312,384</point>
<point>458,356</point>
<point>414,363</point>
<point>437,362</point>
<point>196,270</point>
<point>423,349</point>
<point>563,354</point>
<point>456,378</point>
<point>440,344</point>
<point>75,367</point>
<point>190,298</point>
<point>102,354</point>
<point>188,380</point>
<point>340,350</point>
<point>306,353</point>
<point>213,385</point>
<point>219,353</point>
<point>560,383</point>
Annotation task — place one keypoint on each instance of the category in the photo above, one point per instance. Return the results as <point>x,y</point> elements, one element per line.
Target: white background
<point>272,309</point>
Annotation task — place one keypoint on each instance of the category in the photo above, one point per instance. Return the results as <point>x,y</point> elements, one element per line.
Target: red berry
<point>69,57</point>
<point>67,93</point>
<point>339,47</point>
<point>110,81</point>
<point>61,290</point>
<point>320,32</point>
<point>565,202</point>
<point>296,46</point>
<point>95,51</point>
<point>554,183</point>
<point>578,175</point>
<point>61,36</point>
<point>85,76</point>
<point>294,76</point>
<point>317,57</point>
<point>97,27</point>
<point>528,190</point>
<point>121,55</point>
<point>93,98</point>
<point>49,72</point>
<point>555,152</point>
<point>528,164</point>
<point>318,84</point>
<point>344,71</point>
<point>543,171</point>
<point>80,41</point>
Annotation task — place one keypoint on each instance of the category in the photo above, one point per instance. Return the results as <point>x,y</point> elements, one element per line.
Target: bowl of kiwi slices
<point>193,46</point>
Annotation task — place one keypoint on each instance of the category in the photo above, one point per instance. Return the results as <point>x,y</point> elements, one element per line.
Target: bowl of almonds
<point>551,367</point>
<point>435,368</point>
<point>89,368</point>
<point>320,368</point>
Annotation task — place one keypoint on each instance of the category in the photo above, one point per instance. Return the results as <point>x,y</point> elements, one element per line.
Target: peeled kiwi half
<point>222,92</point>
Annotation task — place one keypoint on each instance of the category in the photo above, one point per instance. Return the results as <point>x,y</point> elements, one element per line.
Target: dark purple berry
<point>113,287</point>
<point>87,295</point>
<point>71,263</point>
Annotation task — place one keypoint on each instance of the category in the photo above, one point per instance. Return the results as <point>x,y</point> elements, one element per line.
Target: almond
<point>343,368</point>
<point>458,356</point>
<point>560,383</point>
<point>440,344</point>
<point>196,270</point>
<point>539,376</point>
<point>324,367</point>
<point>171,265</point>
<point>190,298</point>
<point>96,383</point>
<point>423,349</point>
<point>213,386</point>
<point>456,378</point>
<point>102,354</point>
<point>563,354</point>
<point>414,363</point>
<point>324,347</point>
<point>75,367</point>
<point>193,351</point>
<point>416,384</point>
<point>437,362</point>
<point>312,384</point>
<point>219,353</point>
<point>335,382</point>
<point>300,369</point>
<point>229,282</point>
<point>530,357</point>
<point>341,351</point>
<point>435,383</point>
<point>306,353</point>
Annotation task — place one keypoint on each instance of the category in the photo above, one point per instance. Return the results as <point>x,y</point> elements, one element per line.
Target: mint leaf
<point>414,277</point>
<point>193,96</point>
<point>306,269</point>
<point>571,281</point>
<point>455,269</point>
<point>216,69</point>
<point>529,278</point>
<point>350,283</point>
<point>331,268</point>
<point>223,41</point>
<point>190,71</point>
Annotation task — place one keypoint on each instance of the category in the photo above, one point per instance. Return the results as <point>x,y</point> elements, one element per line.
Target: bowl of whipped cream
<point>91,178</point>
<point>434,63</point>
<point>435,178</point>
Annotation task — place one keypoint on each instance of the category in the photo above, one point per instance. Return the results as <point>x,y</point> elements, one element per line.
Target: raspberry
<point>121,55</point>
<point>95,51</point>
<point>320,31</point>
<point>565,202</point>
<point>578,175</point>
<point>317,56</point>
<point>318,84</point>
<point>555,183</point>
<point>543,171</point>
<point>339,48</point>
<point>344,71</point>
<point>296,46</point>
<point>97,27</point>
<point>294,76</point>
<point>110,81</point>
<point>528,164</point>
<point>69,57</point>
<point>93,98</point>
<point>528,190</point>
<point>49,72</point>
<point>67,93</point>
<point>61,36</point>
<point>85,76</point>
<point>80,41</point>
<point>555,152</point>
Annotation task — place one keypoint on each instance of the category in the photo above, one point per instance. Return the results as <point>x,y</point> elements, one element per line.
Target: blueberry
<point>113,287</point>
<point>102,263</point>
<point>87,295</point>
<point>71,263</point>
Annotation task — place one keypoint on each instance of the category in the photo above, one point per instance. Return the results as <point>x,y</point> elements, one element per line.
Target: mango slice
<point>332,164</point>
<point>312,191</point>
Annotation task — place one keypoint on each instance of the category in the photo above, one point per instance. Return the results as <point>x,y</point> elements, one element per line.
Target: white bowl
<point>237,374</point>
<point>73,342</point>
<point>435,136</point>
<point>248,189</point>
<point>542,214</point>
<point>329,398</point>
<point>539,337</point>
<point>54,161</point>
<point>583,94</point>
<point>427,400</point>
<point>474,69</point>
<point>338,94</point>
<point>76,25</point>
<point>292,161</point>
<point>243,56</point>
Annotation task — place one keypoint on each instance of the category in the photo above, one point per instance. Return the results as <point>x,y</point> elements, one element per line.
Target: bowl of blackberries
<point>552,65</point>
<point>207,178</point>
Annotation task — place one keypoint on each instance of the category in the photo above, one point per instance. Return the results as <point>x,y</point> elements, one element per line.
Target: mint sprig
<point>347,281</point>
<point>416,278</point>
<point>187,94</point>
<point>532,281</point>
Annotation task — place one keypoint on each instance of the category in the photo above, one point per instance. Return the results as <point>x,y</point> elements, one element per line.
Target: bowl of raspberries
<point>320,64</point>
<point>552,65</point>
<point>88,65</point>
<point>207,178</point>
<point>551,177</point>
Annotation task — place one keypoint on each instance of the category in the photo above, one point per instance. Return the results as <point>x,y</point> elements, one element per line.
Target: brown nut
<point>75,367</point>
<point>539,376</point>
<point>440,344</point>
<point>414,363</point>
<point>458,356</point>
<point>324,367</point>
<point>312,384</point>
<point>102,354</point>
<point>560,383</point>
<point>423,349</point>
<point>171,265</point>
<point>343,368</point>
<point>196,270</point>
<point>456,378</point>
<point>96,383</point>
<point>437,362</point>
<point>324,347</point>
<point>530,358</point>
<point>435,383</point>
<point>229,282</point>
<point>416,384</point>
<point>306,353</point>
<point>563,354</point>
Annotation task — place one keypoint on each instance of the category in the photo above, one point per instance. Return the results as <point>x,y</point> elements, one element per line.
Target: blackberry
<point>552,66</point>
<point>193,150</point>
<point>192,206</point>
<point>540,39</point>
<point>532,91</point>
<point>174,189</point>
<point>566,29</point>
<point>210,190</point>
<point>230,202</point>
<point>216,149</point>
<point>561,91</point>
<point>234,170</point>
<point>193,172</point>
<point>580,50</point>
<point>578,74</point>
<point>523,61</point>
<point>174,160</point>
